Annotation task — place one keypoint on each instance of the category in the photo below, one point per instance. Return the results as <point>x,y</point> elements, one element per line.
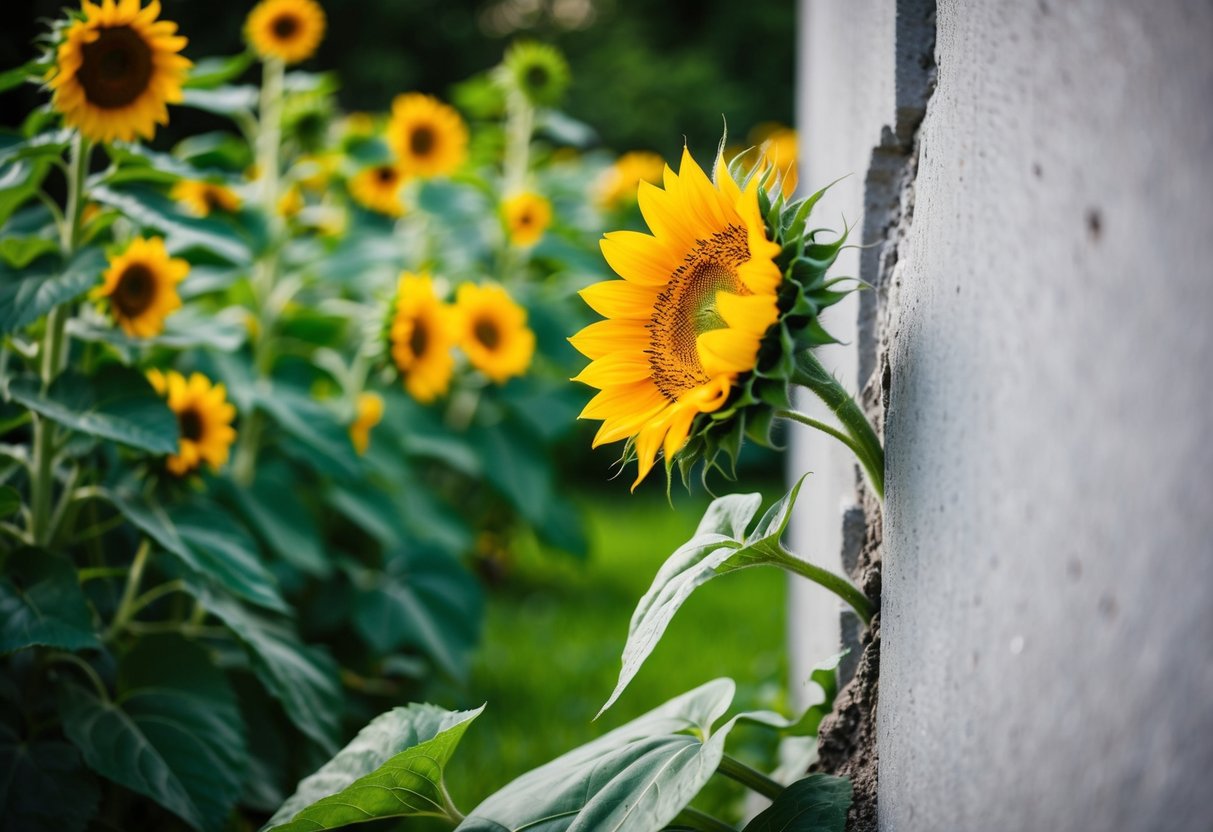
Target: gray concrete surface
<point>1047,624</point>
<point>1047,657</point>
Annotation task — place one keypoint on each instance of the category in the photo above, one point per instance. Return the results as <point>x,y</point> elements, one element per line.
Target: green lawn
<point>556,628</point>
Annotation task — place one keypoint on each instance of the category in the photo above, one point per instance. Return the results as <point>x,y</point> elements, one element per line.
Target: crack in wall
<point>847,740</point>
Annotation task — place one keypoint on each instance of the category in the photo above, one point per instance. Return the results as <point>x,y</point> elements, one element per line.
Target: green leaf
<point>15,147</point>
<point>288,529</point>
<point>516,465</point>
<point>41,603</point>
<point>818,803</point>
<point>325,442</point>
<point>392,769</point>
<point>20,251</point>
<point>19,183</point>
<point>720,546</point>
<point>43,785</point>
<point>146,207</point>
<point>183,330</point>
<point>173,733</point>
<point>223,101</point>
<point>27,298</point>
<point>116,404</point>
<point>10,500</point>
<point>31,71</point>
<point>424,599</point>
<point>637,777</point>
<point>304,679</point>
<point>208,73</point>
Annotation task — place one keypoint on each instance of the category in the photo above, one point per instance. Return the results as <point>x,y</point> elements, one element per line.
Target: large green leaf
<point>304,679</point>
<point>41,603</point>
<point>19,183</point>
<point>10,500</point>
<point>27,297</point>
<point>425,599</point>
<point>15,146</point>
<point>117,404</point>
<point>720,545</point>
<point>182,330</point>
<point>636,778</point>
<point>173,733</point>
<point>146,207</point>
<point>818,803</point>
<point>288,528</point>
<point>392,769</point>
<point>517,465</point>
<point>43,785</point>
<point>321,440</point>
<point>205,541</point>
<point>209,73</point>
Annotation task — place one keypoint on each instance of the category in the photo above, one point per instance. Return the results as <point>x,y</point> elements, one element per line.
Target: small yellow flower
<point>358,125</point>
<point>116,70</point>
<point>368,413</point>
<point>618,184</point>
<point>201,198</point>
<point>378,188</point>
<point>428,137</point>
<point>289,30</point>
<point>204,420</point>
<point>780,150</point>
<point>496,339</point>
<point>527,215</point>
<point>141,284</point>
<point>291,202</point>
<point>422,334</point>
<point>313,171</point>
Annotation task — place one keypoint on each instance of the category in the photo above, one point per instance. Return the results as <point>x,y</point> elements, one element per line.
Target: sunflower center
<point>285,26</point>
<point>419,339</point>
<point>686,309</point>
<point>421,141</point>
<point>189,422</point>
<point>213,199</point>
<point>135,291</point>
<point>115,68</point>
<point>486,333</point>
<point>385,175</point>
<point>525,219</point>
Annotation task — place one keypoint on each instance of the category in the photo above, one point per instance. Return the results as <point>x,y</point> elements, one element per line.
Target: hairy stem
<point>863,440</point>
<point>702,821</point>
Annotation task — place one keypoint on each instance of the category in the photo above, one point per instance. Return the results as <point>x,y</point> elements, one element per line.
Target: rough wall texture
<point>1037,349</point>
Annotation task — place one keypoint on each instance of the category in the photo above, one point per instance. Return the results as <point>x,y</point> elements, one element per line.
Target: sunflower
<point>527,215</point>
<point>378,188</point>
<point>204,420</point>
<point>289,30</point>
<point>778,149</point>
<point>618,184</point>
<point>539,71</point>
<point>116,70</point>
<point>201,198</point>
<point>496,339</point>
<point>291,202</point>
<point>368,413</point>
<point>428,137</point>
<point>422,336</point>
<point>696,298</point>
<point>141,284</point>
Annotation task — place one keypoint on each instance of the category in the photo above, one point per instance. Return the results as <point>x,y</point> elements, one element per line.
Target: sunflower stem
<point>126,607</point>
<point>826,579</point>
<point>53,352</point>
<point>863,440</point>
<point>702,821</point>
<point>265,271</point>
<point>520,125</point>
<point>749,777</point>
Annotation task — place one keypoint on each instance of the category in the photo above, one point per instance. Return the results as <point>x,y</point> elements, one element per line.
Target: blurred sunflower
<point>778,149</point>
<point>204,420</point>
<point>422,335</point>
<point>539,71</point>
<point>116,70</point>
<point>291,202</point>
<point>496,339</point>
<point>141,285</point>
<point>696,298</point>
<point>618,184</point>
<point>314,171</point>
<point>289,30</point>
<point>201,198</point>
<point>428,137</point>
<point>368,413</point>
<point>378,188</point>
<point>527,215</point>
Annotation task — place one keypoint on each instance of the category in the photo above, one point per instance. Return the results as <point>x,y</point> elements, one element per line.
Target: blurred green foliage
<point>644,74</point>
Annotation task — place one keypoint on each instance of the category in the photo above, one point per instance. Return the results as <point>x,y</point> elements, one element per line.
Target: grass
<point>555,630</point>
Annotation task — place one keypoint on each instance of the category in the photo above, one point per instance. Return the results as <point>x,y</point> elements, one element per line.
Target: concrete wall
<point>1044,316</point>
